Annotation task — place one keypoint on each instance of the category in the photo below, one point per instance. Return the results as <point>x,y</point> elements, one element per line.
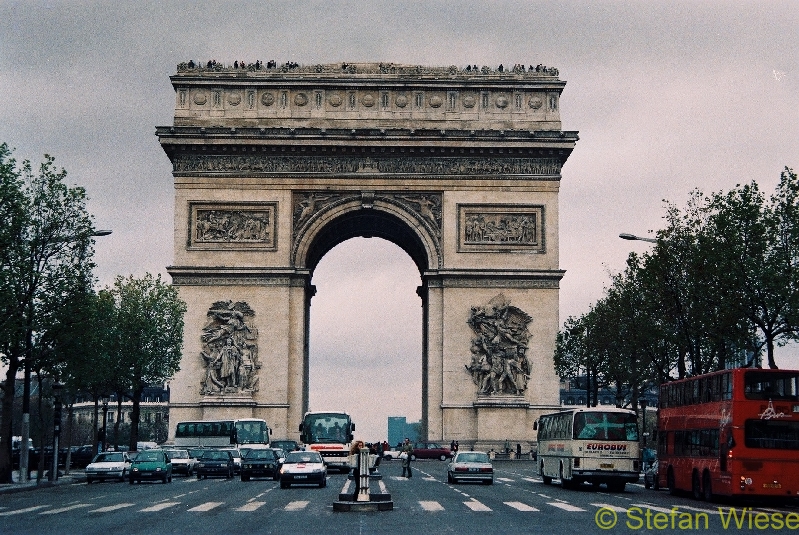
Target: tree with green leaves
<point>148,338</point>
<point>45,258</point>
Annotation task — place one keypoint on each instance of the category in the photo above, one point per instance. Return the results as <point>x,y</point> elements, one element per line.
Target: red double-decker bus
<point>730,433</point>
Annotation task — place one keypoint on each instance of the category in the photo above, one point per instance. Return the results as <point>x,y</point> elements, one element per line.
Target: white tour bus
<point>245,432</point>
<point>595,445</point>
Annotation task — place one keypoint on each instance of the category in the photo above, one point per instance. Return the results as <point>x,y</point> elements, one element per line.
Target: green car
<point>151,464</point>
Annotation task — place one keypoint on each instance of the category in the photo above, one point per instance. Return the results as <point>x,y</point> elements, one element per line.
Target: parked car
<point>151,464</point>
<point>81,456</point>
<point>470,466</point>
<point>286,445</point>
<point>260,463</point>
<point>215,462</point>
<point>182,463</point>
<point>430,450</point>
<point>303,467</point>
<point>108,465</point>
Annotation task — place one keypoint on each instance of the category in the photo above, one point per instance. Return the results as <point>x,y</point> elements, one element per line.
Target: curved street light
<point>625,236</point>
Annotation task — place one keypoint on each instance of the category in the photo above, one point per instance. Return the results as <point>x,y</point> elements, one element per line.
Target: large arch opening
<point>365,336</point>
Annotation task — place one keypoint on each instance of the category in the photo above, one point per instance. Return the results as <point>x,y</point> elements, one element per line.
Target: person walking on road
<point>406,453</point>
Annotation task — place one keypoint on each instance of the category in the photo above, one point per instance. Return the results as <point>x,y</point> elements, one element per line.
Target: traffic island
<point>357,494</point>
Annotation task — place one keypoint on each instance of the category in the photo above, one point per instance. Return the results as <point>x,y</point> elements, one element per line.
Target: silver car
<point>470,466</point>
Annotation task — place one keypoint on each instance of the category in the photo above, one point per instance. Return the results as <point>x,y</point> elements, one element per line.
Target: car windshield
<point>178,454</point>
<point>472,457</point>
<point>109,458</point>
<point>260,454</point>
<point>215,455</point>
<point>150,456</point>
<point>303,457</point>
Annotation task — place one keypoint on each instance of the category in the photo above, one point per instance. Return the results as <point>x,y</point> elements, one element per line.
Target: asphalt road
<point>518,502</point>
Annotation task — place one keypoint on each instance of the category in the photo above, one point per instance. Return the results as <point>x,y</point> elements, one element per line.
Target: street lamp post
<point>56,428</point>
<point>105,422</point>
<point>24,458</point>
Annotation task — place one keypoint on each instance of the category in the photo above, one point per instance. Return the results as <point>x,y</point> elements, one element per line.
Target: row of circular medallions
<point>368,100</point>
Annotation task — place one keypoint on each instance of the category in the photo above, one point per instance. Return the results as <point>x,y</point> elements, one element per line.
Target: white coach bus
<point>595,445</point>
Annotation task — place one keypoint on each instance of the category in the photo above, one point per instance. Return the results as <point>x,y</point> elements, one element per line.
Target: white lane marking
<point>65,509</point>
<point>505,479</point>
<point>611,507</point>
<point>429,478</point>
<point>566,506</point>
<point>382,485</point>
<point>431,506</point>
<point>474,505</point>
<point>112,508</point>
<point>297,505</point>
<point>250,506</point>
<point>519,506</point>
<point>207,506</point>
<point>532,479</point>
<point>159,507</point>
<point>22,511</point>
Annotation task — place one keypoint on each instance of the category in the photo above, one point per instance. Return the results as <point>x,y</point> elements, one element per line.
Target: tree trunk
<point>6,421</point>
<point>134,418</point>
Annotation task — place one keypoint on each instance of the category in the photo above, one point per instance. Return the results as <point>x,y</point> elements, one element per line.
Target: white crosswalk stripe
<point>65,509</point>
<point>251,506</point>
<point>505,479</point>
<point>207,506</point>
<point>431,506</point>
<point>566,506</point>
<point>159,507</point>
<point>110,508</point>
<point>519,506</point>
<point>22,511</point>
<point>296,506</point>
<point>611,507</point>
<point>474,505</point>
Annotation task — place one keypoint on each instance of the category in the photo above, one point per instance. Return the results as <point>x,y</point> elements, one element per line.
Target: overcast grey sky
<point>668,96</point>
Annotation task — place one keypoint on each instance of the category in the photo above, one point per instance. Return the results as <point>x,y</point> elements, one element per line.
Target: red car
<point>430,450</point>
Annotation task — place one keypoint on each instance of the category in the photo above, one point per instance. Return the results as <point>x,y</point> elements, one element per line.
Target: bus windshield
<point>605,426</point>
<point>252,432</point>
<point>330,428</point>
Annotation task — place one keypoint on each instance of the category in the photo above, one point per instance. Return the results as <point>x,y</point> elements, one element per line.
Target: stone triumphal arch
<point>275,165</point>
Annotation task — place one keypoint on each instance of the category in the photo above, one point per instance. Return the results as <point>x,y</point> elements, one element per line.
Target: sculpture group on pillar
<point>230,350</point>
<point>499,363</point>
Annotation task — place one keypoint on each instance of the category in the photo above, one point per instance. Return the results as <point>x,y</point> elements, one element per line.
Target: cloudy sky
<point>667,96</point>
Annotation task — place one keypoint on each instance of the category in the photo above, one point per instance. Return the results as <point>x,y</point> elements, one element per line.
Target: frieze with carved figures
<point>229,350</point>
<point>499,363</point>
<point>500,228</point>
<point>233,225</point>
<point>254,164</point>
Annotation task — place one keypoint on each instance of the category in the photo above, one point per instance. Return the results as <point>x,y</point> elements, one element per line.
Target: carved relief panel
<point>499,363</point>
<point>232,226</point>
<point>500,228</point>
<point>230,350</point>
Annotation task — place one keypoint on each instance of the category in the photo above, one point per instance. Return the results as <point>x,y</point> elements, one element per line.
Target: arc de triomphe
<point>275,165</point>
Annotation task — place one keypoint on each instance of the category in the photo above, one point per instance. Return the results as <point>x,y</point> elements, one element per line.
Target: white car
<point>182,462</point>
<point>108,465</point>
<point>303,468</point>
<point>471,466</point>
